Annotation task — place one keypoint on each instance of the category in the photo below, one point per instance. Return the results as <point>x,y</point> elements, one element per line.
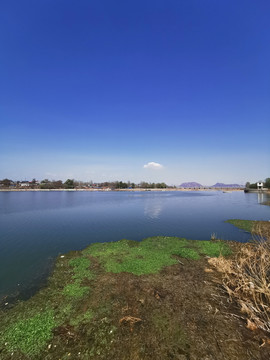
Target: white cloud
<point>153,165</point>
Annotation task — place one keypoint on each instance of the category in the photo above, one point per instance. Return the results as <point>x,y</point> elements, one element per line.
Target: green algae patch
<point>246,225</point>
<point>82,318</point>
<point>75,290</point>
<point>30,335</point>
<point>152,254</point>
<point>26,328</point>
<point>259,228</point>
<point>80,267</point>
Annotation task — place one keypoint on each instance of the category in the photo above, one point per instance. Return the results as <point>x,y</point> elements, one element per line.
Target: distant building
<point>24,183</point>
<point>260,185</point>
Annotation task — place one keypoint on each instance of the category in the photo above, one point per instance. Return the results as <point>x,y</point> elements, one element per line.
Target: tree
<point>69,184</point>
<point>6,182</point>
<point>144,185</point>
<point>58,184</point>
<point>120,185</point>
<point>161,185</point>
<point>267,183</point>
<point>247,185</point>
<point>46,184</point>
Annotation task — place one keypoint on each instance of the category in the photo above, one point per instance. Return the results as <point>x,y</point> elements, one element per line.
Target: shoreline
<point>129,190</point>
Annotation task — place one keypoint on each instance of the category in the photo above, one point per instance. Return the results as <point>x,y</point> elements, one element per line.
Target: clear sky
<point>95,90</point>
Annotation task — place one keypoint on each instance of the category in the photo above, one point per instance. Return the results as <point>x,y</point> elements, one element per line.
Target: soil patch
<point>179,313</point>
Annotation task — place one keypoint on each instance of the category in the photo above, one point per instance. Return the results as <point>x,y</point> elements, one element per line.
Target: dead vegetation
<point>246,279</point>
<point>130,320</point>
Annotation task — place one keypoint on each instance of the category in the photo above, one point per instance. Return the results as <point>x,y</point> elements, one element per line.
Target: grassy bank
<point>78,312</point>
<point>130,300</point>
<point>259,228</point>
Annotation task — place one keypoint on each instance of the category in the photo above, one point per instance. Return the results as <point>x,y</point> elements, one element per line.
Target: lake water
<point>35,227</point>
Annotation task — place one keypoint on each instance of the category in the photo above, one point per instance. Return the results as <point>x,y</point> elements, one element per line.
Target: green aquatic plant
<point>246,225</point>
<point>82,318</point>
<point>80,267</point>
<point>30,335</point>
<point>152,254</point>
<point>75,290</point>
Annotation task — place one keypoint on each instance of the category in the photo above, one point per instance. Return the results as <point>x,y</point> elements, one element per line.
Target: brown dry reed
<point>246,279</point>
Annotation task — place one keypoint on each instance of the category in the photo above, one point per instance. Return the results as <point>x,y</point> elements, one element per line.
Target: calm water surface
<point>36,226</point>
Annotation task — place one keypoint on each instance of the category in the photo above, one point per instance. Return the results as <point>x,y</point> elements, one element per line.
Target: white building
<point>260,185</point>
<point>24,183</point>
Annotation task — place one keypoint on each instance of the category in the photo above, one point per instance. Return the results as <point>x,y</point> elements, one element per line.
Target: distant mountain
<point>191,185</point>
<point>217,185</point>
<point>221,185</point>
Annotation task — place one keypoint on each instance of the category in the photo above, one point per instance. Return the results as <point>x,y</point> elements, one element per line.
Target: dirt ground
<point>180,313</point>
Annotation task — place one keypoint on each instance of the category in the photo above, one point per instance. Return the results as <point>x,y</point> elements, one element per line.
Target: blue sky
<point>95,90</point>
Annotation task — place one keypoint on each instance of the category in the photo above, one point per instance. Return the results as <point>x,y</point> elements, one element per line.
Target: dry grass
<point>246,279</point>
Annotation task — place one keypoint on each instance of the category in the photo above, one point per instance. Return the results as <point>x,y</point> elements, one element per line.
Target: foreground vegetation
<point>246,276</point>
<point>157,298</point>
<point>74,305</point>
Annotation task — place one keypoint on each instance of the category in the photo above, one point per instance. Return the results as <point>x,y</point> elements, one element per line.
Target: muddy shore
<point>158,298</point>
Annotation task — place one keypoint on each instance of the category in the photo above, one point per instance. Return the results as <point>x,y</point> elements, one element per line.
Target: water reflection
<point>152,209</point>
<point>263,198</point>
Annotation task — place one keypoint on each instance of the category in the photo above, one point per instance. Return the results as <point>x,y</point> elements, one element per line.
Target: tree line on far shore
<point>266,184</point>
<point>72,184</point>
